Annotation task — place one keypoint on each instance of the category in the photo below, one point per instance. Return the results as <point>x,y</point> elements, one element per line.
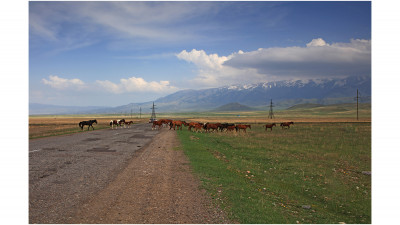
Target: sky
<point>116,53</point>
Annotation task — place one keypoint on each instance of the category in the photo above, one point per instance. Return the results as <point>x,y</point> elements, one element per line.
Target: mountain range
<point>284,94</point>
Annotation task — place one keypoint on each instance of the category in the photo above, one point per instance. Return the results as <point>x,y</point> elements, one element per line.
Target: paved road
<point>65,171</point>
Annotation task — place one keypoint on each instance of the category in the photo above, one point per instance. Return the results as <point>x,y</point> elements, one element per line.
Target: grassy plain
<point>310,173</point>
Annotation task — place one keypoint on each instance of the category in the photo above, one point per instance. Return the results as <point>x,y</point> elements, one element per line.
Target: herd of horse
<point>210,127</point>
<point>117,123</point>
<point>120,123</point>
<point>178,124</point>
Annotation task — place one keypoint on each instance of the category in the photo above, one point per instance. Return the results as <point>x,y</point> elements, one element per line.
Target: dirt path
<point>156,187</point>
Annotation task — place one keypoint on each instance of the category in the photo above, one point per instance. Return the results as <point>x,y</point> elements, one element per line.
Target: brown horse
<point>176,123</point>
<point>269,126</point>
<point>242,127</point>
<point>197,127</point>
<point>209,126</point>
<point>129,123</point>
<point>157,123</point>
<point>286,124</point>
<point>231,128</point>
<point>193,124</point>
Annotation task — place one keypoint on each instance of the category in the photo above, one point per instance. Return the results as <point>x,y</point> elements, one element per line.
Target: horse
<point>197,127</point>
<point>193,124</point>
<point>89,123</point>
<point>209,126</point>
<point>121,121</point>
<point>114,122</point>
<point>269,126</point>
<point>176,123</point>
<point>166,122</point>
<point>225,126</point>
<point>129,123</point>
<point>157,123</point>
<point>231,128</point>
<point>242,127</point>
<point>286,124</point>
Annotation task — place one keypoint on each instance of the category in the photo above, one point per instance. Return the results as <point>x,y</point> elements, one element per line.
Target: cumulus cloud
<point>62,83</point>
<point>317,60</point>
<point>136,84</point>
<point>211,69</point>
<point>317,42</point>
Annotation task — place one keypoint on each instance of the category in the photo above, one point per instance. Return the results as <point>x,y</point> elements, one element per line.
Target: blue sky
<point>115,53</point>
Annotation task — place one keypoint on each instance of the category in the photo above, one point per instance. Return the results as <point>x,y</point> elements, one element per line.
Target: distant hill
<point>43,109</point>
<point>305,106</point>
<point>233,107</point>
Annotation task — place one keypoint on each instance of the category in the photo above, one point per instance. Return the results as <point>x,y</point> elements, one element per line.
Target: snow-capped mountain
<point>259,95</point>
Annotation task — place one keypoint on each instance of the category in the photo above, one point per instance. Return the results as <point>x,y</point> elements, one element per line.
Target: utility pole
<point>131,113</point>
<point>271,113</point>
<point>140,112</point>
<point>357,102</point>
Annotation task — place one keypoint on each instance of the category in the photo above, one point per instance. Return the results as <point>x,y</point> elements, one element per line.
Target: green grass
<point>273,177</point>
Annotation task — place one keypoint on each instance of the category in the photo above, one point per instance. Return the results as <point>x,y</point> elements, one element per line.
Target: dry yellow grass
<point>50,126</point>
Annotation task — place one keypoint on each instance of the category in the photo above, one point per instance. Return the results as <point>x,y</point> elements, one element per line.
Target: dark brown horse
<point>269,126</point>
<point>208,126</point>
<point>121,121</point>
<point>129,123</point>
<point>89,123</point>
<point>286,124</point>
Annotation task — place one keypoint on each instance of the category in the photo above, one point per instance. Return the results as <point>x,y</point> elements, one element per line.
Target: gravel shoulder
<point>117,179</point>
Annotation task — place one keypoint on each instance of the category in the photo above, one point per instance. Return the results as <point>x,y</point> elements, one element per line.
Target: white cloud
<point>62,83</point>
<point>317,42</point>
<point>317,60</point>
<point>213,73</point>
<point>136,84</point>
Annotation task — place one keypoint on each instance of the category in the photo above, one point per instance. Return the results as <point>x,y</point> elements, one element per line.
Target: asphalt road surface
<point>66,171</point>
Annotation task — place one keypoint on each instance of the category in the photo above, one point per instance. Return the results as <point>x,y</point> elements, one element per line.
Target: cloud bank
<point>317,59</point>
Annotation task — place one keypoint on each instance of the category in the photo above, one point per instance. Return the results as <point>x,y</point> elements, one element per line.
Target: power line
<point>153,113</point>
